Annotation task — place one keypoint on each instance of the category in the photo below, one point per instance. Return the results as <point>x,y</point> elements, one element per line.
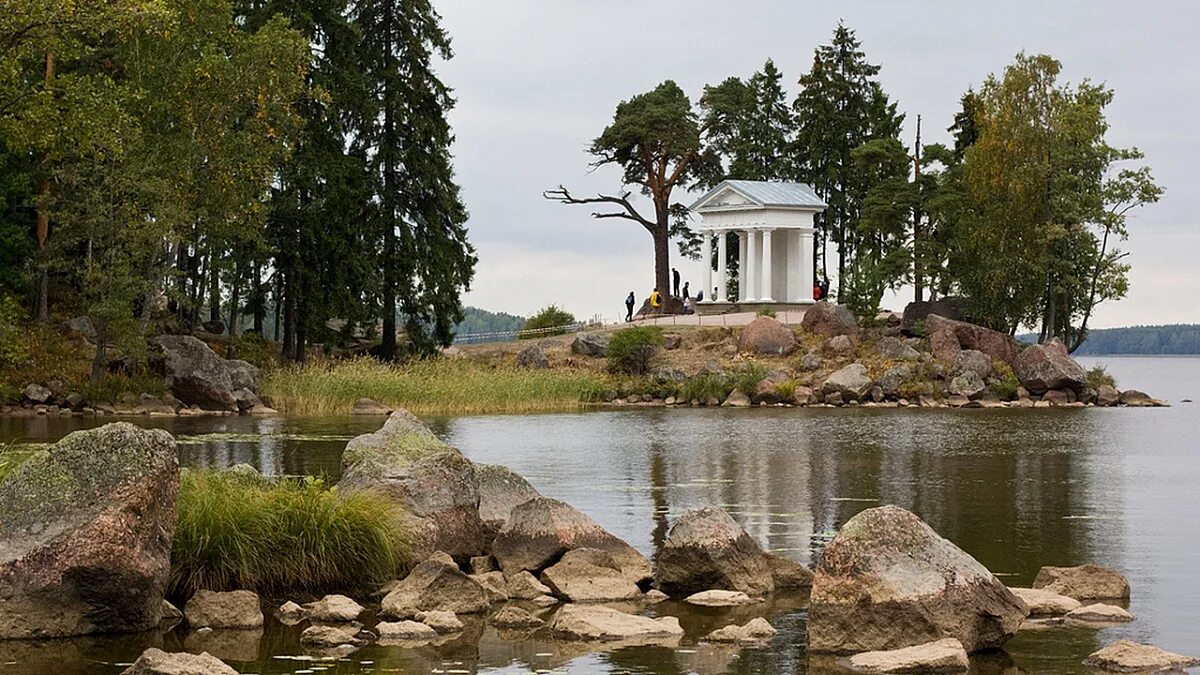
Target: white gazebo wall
<point>791,273</point>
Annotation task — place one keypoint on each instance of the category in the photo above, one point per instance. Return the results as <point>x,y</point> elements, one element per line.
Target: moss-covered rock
<point>85,534</point>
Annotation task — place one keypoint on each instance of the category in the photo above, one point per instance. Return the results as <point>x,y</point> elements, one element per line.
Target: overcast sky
<point>536,80</point>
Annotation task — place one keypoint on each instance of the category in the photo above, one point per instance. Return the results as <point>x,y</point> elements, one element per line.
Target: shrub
<point>920,328</point>
<point>706,386</point>
<point>549,321</point>
<point>246,532</point>
<point>747,377</point>
<point>1005,384</point>
<point>631,350</point>
<point>112,385</point>
<point>1098,377</point>
<point>13,349</point>
<point>767,311</point>
<point>255,349</point>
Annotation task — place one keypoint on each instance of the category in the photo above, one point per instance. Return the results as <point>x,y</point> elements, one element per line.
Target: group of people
<point>656,298</point>
<point>820,292</point>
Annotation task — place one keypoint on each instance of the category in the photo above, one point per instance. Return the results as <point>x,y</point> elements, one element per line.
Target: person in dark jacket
<point>629,301</point>
<point>675,278</point>
<point>686,292</point>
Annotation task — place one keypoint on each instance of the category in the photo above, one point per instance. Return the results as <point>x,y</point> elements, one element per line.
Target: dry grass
<point>431,387</point>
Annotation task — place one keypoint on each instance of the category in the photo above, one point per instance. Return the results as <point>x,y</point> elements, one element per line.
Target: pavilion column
<point>706,256</point>
<point>765,294</point>
<point>807,276</point>
<point>797,286</point>
<point>752,277</point>
<point>722,276</point>
<point>743,285</point>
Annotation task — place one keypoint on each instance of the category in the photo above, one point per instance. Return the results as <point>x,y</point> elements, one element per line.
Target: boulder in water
<point>541,530</point>
<point>942,656</point>
<point>1125,656</point>
<point>588,622</point>
<point>435,585</point>
<point>888,581</point>
<point>707,549</point>
<point>155,661</point>
<point>1048,366</point>
<point>86,527</point>
<point>1045,603</point>
<point>334,609</point>
<point>1085,582</point>
<point>230,609</point>
<point>195,374</point>
<point>755,630</point>
<point>590,575</point>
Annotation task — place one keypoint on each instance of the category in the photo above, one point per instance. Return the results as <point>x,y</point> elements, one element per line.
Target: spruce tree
<point>840,107</point>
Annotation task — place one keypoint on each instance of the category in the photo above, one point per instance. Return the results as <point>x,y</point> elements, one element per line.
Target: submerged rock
<point>943,656</point>
<point>1045,603</point>
<point>405,630</point>
<point>155,661</point>
<point>707,549</point>
<point>330,636</point>
<point>1101,613</point>
<point>433,481</point>
<point>1125,656</point>
<point>231,609</point>
<point>441,621</point>
<point>541,530</point>
<point>435,585</point>
<point>720,599</point>
<point>511,616</point>
<point>592,622</point>
<point>86,528</point>
<point>1085,582</point>
<point>887,581</point>
<point>755,630</point>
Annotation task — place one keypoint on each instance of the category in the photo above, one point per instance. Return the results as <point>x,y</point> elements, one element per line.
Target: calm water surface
<point>1017,489</point>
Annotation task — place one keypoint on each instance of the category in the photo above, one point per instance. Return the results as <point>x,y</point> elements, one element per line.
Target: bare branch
<point>561,194</point>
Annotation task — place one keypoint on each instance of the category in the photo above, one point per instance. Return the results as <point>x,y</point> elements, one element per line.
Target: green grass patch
<point>427,387</point>
<point>274,537</point>
<point>112,385</point>
<point>747,377</point>
<point>706,386</point>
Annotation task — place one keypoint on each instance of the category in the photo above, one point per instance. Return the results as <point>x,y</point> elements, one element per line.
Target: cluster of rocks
<point>892,596</point>
<point>198,382</point>
<point>952,364</point>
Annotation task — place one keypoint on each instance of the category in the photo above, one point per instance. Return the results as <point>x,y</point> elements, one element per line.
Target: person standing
<point>629,301</point>
<point>675,278</point>
<point>686,292</point>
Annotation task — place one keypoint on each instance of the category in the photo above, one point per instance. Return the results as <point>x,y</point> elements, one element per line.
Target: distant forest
<point>1173,339</point>
<point>477,320</point>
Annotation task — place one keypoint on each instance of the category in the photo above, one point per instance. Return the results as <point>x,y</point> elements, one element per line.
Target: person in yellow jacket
<point>655,300</point>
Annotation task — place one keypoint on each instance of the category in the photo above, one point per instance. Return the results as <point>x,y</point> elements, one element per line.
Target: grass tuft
<point>428,387</point>
<point>245,532</point>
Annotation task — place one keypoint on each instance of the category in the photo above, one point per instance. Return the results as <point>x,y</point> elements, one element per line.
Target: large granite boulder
<point>435,483</point>
<point>1048,366</point>
<point>85,534</point>
<point>707,549</point>
<point>947,337</point>
<point>767,336</point>
<point>195,374</point>
<point>590,344</point>
<point>1085,582</point>
<point>852,382</point>
<point>828,319</point>
<point>972,360</point>
<point>155,661</point>
<point>917,313</point>
<point>888,581</point>
<point>541,530</point>
<point>435,585</point>
<point>500,490</point>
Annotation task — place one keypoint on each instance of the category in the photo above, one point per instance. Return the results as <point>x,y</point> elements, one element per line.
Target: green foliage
<point>750,125</point>
<point>551,320</point>
<point>245,532</point>
<point>632,350</point>
<point>110,387</point>
<point>477,320</point>
<point>706,386</point>
<point>13,350</point>
<point>425,387</point>
<point>1174,339</point>
<point>10,458</point>
<point>767,311</point>
<point>1098,376</point>
<point>255,349</point>
<point>747,377</point>
<point>1006,384</point>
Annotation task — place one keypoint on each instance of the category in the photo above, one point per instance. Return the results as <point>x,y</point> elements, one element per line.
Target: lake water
<point>1017,489</point>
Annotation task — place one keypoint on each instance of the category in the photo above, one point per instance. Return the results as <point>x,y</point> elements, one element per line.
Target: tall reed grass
<point>245,532</point>
<point>427,387</point>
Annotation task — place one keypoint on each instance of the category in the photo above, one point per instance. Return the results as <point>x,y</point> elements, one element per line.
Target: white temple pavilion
<point>774,226</point>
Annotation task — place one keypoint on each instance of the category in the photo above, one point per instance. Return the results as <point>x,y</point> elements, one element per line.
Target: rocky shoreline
<point>86,527</point>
